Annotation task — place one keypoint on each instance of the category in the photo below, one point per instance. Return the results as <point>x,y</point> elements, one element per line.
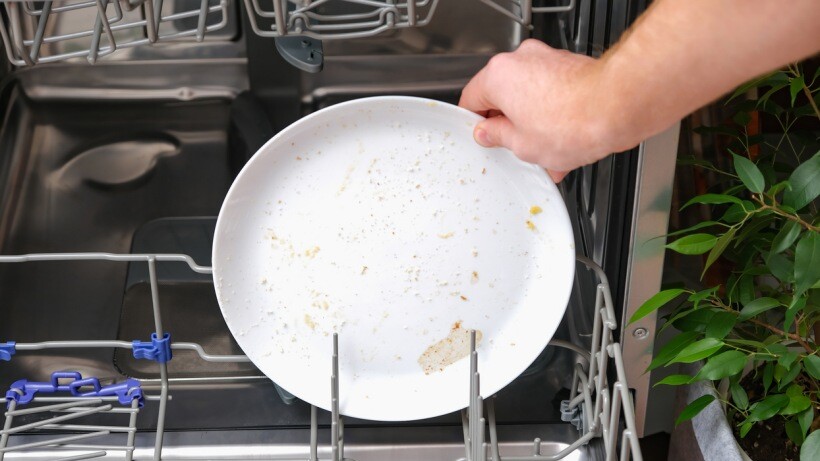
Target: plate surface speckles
<point>382,220</point>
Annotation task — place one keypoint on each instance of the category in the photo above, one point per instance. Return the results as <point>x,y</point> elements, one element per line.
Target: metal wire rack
<point>595,406</point>
<point>56,30</point>
<point>35,32</point>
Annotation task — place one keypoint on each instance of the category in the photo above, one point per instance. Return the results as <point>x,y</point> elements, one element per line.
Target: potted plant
<point>750,329</point>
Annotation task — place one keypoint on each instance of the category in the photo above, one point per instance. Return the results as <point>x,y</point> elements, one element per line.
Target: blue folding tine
<point>24,391</point>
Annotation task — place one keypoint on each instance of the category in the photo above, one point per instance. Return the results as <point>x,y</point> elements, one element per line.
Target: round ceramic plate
<point>382,220</point>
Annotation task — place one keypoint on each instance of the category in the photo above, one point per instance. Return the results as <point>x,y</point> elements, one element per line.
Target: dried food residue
<point>449,350</point>
<point>535,209</point>
<point>530,225</point>
<point>445,235</point>
<point>309,322</point>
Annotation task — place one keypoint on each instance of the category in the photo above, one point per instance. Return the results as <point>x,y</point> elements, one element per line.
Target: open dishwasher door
<point>120,168</point>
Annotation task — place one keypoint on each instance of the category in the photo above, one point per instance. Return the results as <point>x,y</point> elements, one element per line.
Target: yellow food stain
<point>535,209</point>
<point>311,252</point>
<point>474,278</point>
<point>530,225</point>
<point>445,235</point>
<point>309,322</point>
<point>449,350</point>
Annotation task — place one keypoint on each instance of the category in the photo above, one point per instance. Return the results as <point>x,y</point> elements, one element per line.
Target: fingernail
<point>482,137</point>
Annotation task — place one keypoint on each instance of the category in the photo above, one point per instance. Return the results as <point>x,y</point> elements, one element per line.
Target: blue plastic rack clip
<point>7,350</point>
<point>24,391</point>
<point>158,350</point>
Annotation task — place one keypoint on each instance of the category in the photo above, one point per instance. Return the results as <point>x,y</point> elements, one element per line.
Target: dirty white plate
<point>382,220</point>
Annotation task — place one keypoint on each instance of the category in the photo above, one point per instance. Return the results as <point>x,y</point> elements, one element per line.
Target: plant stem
<point>789,216</point>
<point>807,92</point>
<point>780,332</point>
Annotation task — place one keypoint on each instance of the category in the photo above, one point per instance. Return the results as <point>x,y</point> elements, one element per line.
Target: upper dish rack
<point>97,28</point>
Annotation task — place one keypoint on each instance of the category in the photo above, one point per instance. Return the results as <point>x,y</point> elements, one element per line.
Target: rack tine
<point>101,23</point>
<point>334,401</point>
<point>200,26</point>
<point>13,11</point>
<point>314,434</point>
<point>58,441</point>
<point>41,28</point>
<point>56,419</point>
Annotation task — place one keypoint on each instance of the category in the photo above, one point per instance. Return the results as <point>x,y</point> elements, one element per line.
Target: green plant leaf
<point>768,407</point>
<point>712,199</point>
<point>672,348</point>
<point>742,118</point>
<point>695,320</point>
<point>805,184</point>
<point>797,401</point>
<point>745,427</point>
<point>739,395</point>
<point>737,211</point>
<point>804,419</point>
<point>695,407</point>
<point>788,376</point>
<point>806,262</point>
<point>810,451</point>
<point>787,235</point>
<point>694,244</point>
<point>770,78</point>
<point>697,226</point>
<point>698,350</point>
<point>746,289</point>
<point>780,266</point>
<point>722,365</point>
<point>787,359</point>
<point>749,174</point>
<point>757,306</point>
<point>794,432</point>
<point>778,188</point>
<point>796,305</point>
<point>768,375</point>
<point>720,325</point>
<point>795,87</point>
<point>655,302</point>
<point>812,365</point>
<point>717,250</point>
<point>674,380</point>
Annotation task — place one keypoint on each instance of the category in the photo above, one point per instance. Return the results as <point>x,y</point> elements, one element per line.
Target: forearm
<point>682,54</point>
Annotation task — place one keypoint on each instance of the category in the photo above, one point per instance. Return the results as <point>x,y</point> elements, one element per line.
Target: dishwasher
<point>124,123</point>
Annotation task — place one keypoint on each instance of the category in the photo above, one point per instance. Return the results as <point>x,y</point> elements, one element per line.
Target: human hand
<point>548,106</point>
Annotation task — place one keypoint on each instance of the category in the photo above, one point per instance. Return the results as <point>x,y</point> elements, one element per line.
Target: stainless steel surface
<point>650,218</point>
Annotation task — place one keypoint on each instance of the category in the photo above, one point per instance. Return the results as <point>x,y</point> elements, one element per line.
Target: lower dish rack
<point>597,408</point>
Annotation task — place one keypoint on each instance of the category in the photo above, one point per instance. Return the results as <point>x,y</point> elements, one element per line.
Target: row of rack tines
<point>57,30</point>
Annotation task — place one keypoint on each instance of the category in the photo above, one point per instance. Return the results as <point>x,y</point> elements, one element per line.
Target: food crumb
<point>475,252</point>
<point>445,235</point>
<point>298,158</point>
<point>535,209</point>
<point>483,171</point>
<point>263,280</point>
<point>311,253</point>
<point>530,225</point>
<point>474,278</point>
<point>309,322</point>
<point>364,269</point>
<point>463,298</point>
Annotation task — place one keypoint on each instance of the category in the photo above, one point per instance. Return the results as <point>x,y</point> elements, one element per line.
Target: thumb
<point>557,176</point>
<point>495,131</point>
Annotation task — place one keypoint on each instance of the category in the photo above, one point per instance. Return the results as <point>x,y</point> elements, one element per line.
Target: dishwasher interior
<point>127,161</point>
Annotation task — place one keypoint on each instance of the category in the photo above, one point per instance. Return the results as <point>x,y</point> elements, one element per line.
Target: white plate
<point>381,219</point>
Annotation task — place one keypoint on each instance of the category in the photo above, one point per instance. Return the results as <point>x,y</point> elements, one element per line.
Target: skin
<point>562,110</point>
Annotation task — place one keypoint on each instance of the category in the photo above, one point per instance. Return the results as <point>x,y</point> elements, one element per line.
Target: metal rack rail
<point>595,406</point>
<point>56,30</point>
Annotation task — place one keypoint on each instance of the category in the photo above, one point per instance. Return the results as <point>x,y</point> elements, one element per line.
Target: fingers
<point>474,96</point>
<point>495,132</point>
<point>557,176</point>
